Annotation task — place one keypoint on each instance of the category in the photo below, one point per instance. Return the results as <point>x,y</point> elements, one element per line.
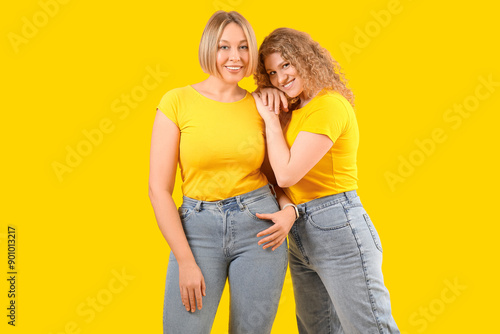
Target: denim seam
<point>296,236</point>
<point>367,280</point>
<point>251,215</point>
<point>187,215</point>
<point>322,207</point>
<point>286,256</point>
<point>309,219</point>
<point>336,227</point>
<point>255,199</point>
<point>369,223</point>
<point>350,205</point>
<point>232,232</point>
<point>224,231</point>
<point>329,316</point>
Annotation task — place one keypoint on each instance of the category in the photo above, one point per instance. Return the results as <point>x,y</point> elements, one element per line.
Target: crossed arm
<point>290,165</point>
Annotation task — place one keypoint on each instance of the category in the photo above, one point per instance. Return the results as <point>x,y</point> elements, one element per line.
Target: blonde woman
<point>335,253</point>
<point>214,131</point>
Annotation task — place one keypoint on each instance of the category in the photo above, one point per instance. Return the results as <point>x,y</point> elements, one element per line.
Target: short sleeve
<point>328,117</point>
<point>169,105</point>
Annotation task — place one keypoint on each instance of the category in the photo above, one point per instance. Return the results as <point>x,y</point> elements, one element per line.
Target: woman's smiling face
<point>283,75</point>
<point>232,55</point>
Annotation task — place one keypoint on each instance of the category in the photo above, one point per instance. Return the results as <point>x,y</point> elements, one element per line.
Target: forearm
<point>281,197</point>
<point>279,153</point>
<point>170,225</point>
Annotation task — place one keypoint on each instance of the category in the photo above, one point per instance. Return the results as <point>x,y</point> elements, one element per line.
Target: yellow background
<point>76,233</point>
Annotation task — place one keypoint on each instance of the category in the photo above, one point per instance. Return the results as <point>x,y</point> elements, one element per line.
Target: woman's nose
<point>234,56</point>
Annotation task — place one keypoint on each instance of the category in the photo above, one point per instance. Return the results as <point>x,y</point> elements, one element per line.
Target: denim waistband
<point>318,203</point>
<point>248,197</point>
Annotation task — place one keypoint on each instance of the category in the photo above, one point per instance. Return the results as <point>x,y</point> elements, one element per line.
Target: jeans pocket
<point>185,213</point>
<point>373,231</point>
<point>330,218</point>
<point>267,204</point>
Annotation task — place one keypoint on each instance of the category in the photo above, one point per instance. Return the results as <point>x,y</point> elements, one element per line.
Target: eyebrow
<point>284,61</point>
<point>242,41</point>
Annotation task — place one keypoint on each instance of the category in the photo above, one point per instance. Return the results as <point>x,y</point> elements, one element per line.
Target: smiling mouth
<point>233,68</point>
<point>289,84</point>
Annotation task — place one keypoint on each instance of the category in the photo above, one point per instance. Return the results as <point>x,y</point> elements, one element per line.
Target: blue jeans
<point>222,237</point>
<point>335,261</point>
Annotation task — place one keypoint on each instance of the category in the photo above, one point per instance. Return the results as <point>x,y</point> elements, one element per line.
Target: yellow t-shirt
<point>330,114</point>
<point>221,146</point>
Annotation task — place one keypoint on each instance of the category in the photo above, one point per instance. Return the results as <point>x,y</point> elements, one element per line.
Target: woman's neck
<point>304,100</point>
<point>220,90</point>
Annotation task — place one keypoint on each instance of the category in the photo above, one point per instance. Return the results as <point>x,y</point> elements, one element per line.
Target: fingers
<point>278,244</point>
<point>268,239</point>
<point>192,299</point>
<point>185,298</point>
<point>267,216</point>
<point>269,230</point>
<point>197,293</point>
<point>270,100</point>
<point>274,241</point>
<point>263,97</point>
<point>258,98</point>
<point>277,102</point>
<point>284,101</point>
<point>192,296</point>
<point>203,287</point>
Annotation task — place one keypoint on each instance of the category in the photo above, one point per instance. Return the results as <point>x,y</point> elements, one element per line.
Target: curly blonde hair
<point>313,63</point>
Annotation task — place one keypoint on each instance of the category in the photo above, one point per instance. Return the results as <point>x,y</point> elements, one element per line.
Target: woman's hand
<point>274,98</point>
<point>265,113</point>
<point>283,221</point>
<point>192,285</point>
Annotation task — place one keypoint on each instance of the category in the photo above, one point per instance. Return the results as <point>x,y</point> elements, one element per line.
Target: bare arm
<point>283,220</point>
<point>291,165</point>
<point>163,165</point>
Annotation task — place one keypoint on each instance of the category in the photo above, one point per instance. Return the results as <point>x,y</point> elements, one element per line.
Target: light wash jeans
<point>222,237</point>
<point>335,261</point>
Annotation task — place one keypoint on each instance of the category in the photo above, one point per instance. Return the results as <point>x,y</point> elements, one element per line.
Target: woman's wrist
<point>273,125</point>
<point>292,207</point>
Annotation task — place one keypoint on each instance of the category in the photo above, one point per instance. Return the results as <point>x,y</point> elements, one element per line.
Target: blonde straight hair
<point>209,44</point>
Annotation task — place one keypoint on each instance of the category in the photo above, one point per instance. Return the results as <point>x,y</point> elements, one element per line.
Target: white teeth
<point>288,84</point>
<point>233,68</point>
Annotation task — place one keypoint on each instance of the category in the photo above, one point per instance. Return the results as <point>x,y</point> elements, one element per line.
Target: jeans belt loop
<point>197,207</point>
<point>241,205</point>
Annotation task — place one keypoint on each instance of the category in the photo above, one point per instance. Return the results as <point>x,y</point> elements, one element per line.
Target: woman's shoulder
<point>179,91</point>
<point>332,98</point>
<point>330,101</point>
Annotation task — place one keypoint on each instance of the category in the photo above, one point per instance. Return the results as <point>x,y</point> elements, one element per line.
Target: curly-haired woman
<point>335,253</point>
<point>214,131</point>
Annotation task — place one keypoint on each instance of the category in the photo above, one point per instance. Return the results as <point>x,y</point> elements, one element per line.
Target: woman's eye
<point>272,73</point>
<point>286,65</point>
<point>223,47</point>
<point>244,47</point>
